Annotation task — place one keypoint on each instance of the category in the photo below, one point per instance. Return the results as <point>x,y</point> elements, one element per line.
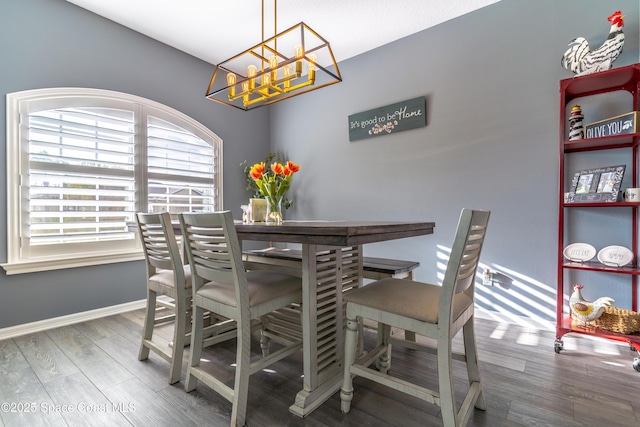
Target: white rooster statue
<point>581,60</point>
<point>587,311</point>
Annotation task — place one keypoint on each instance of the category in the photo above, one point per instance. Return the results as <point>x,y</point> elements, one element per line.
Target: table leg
<point>327,272</point>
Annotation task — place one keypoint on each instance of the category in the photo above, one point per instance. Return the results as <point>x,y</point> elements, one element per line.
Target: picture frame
<point>596,185</point>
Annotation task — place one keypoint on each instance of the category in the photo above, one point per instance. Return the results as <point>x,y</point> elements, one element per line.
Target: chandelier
<point>296,61</point>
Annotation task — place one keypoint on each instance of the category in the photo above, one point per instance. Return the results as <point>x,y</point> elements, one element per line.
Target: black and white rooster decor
<point>581,60</point>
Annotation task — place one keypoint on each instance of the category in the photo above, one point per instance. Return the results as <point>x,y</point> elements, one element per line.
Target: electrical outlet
<point>487,278</point>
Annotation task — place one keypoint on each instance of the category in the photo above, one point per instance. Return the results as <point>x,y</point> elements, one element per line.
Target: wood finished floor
<point>88,374</point>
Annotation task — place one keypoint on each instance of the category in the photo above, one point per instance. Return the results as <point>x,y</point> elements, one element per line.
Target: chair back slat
<point>465,257</point>
<point>213,250</point>
<point>159,243</point>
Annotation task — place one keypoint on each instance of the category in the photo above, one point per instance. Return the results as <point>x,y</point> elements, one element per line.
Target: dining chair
<point>437,312</point>
<point>222,285</point>
<point>166,275</point>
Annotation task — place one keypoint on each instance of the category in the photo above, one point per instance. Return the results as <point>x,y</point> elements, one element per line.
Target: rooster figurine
<point>587,311</point>
<point>581,60</point>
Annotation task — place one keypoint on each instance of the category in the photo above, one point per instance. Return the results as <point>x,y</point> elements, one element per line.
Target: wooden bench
<point>372,268</point>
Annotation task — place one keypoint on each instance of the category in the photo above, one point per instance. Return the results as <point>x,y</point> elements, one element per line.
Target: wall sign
<point>618,125</point>
<point>392,118</point>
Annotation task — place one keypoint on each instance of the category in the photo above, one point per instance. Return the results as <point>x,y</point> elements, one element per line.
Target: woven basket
<point>619,320</point>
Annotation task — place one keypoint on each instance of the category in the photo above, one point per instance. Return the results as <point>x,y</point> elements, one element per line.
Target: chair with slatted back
<point>437,312</point>
<point>166,275</point>
<point>222,285</point>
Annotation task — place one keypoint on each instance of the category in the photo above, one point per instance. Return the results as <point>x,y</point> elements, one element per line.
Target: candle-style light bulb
<point>273,65</point>
<point>312,67</point>
<point>266,79</point>
<point>287,70</point>
<point>299,54</point>
<point>245,92</point>
<point>252,70</point>
<point>231,82</point>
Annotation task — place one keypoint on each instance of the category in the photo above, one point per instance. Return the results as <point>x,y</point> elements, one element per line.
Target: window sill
<point>32,266</point>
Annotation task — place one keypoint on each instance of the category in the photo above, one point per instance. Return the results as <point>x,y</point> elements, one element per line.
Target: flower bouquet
<point>273,183</point>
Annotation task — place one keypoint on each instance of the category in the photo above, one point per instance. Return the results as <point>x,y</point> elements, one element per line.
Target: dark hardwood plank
<point>110,326</point>
<point>143,407</point>
<point>202,406</point>
<point>81,404</point>
<point>25,401</point>
<point>11,358</point>
<point>153,372</point>
<point>531,414</point>
<point>590,383</point>
<point>45,357</point>
<point>594,413</point>
<point>101,369</point>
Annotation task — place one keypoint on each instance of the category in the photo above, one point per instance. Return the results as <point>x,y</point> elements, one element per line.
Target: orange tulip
<point>257,170</point>
<point>277,168</point>
<point>293,167</point>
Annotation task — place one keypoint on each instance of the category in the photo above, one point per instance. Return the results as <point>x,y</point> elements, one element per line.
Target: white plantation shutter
<point>82,162</point>
<point>180,169</point>
<point>81,181</point>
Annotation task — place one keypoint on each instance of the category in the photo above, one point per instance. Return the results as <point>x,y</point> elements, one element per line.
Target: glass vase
<point>257,210</point>
<point>274,211</point>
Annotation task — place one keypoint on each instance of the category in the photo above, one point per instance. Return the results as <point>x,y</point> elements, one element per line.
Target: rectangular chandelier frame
<point>293,62</point>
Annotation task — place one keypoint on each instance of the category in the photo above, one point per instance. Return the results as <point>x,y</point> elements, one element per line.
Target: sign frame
<point>392,118</point>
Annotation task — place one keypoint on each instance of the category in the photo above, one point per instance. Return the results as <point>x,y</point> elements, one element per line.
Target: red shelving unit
<point>618,79</point>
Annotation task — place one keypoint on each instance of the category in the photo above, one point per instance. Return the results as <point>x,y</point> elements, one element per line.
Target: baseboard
<point>56,322</point>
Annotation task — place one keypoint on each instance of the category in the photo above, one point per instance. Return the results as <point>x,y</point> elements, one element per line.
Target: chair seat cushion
<point>165,277</point>
<point>263,286</point>
<point>408,298</point>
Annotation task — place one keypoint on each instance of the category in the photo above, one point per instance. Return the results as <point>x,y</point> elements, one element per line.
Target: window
<point>81,162</point>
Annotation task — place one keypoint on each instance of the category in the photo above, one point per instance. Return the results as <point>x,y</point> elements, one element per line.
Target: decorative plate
<point>579,252</point>
<point>615,256</point>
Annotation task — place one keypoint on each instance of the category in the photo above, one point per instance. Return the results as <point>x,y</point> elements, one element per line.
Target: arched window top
<point>82,161</point>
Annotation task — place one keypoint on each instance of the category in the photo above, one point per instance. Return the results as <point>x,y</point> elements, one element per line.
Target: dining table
<point>331,264</point>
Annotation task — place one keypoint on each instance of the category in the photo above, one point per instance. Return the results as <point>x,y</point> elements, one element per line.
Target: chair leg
<point>191,381</point>
<point>473,371</point>
<point>265,343</point>
<point>445,381</point>
<point>409,335</point>
<point>241,386</point>
<point>383,364</point>
<point>149,322</point>
<point>179,333</point>
<point>350,344</point>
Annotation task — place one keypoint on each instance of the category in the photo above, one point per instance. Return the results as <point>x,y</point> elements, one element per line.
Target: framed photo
<point>596,185</point>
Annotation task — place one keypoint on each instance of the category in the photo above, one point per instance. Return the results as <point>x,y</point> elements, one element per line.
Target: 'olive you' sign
<point>392,118</point>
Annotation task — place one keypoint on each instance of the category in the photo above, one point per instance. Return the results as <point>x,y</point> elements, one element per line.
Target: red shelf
<point>567,325</point>
<point>606,81</point>
<point>618,79</point>
<point>597,266</point>
<point>601,204</point>
<point>618,141</point>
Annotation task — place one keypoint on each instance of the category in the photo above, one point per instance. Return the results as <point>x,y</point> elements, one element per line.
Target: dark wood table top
<point>334,233</point>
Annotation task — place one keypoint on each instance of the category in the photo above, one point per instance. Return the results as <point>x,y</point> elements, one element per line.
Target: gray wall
<point>491,81</point>
<point>52,43</point>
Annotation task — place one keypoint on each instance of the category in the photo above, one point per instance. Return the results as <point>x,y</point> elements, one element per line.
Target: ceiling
<point>215,30</point>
